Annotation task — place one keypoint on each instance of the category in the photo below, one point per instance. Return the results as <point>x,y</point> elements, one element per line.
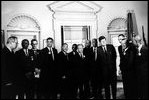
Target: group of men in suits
<point>83,73</point>
<point>134,67</point>
<point>63,74</point>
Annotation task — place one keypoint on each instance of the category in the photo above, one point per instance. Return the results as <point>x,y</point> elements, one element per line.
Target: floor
<point>120,92</point>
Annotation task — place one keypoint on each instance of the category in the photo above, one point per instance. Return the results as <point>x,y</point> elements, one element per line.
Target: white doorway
<point>75,35</point>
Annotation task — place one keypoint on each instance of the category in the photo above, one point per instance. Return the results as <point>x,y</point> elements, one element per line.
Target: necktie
<point>105,52</point>
<point>80,55</point>
<point>95,52</point>
<point>26,52</point>
<point>139,53</point>
<point>52,53</point>
<point>104,49</point>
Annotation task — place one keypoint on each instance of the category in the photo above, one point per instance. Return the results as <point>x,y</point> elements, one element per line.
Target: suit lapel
<point>23,53</point>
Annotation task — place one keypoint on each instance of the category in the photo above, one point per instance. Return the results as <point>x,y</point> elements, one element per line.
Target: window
<point>74,34</point>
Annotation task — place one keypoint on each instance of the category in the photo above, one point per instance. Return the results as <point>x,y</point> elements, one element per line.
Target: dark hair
<point>94,39</point>
<point>49,38</point>
<point>101,37</point>
<point>121,35</point>
<point>33,41</point>
<point>11,39</point>
<point>96,42</point>
<point>75,45</point>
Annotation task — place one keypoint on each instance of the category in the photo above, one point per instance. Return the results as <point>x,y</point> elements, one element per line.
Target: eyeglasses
<point>35,44</point>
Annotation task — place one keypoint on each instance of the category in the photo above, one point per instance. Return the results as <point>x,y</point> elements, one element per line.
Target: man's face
<point>137,40</point>
<point>94,43</point>
<point>49,43</point>
<point>120,39</point>
<point>80,49</point>
<point>34,45</point>
<point>15,44</point>
<point>74,48</point>
<point>87,43</point>
<point>25,44</point>
<point>65,48</point>
<point>103,42</point>
<point>123,42</point>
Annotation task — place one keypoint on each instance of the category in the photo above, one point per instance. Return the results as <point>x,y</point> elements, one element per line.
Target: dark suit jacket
<point>78,67</point>
<point>81,70</point>
<point>109,61</point>
<point>48,65</point>
<point>88,53</point>
<point>127,59</point>
<point>141,63</point>
<point>73,64</point>
<point>95,65</point>
<point>48,69</point>
<point>25,65</point>
<point>88,56</point>
<point>63,67</point>
<point>36,58</point>
<point>8,65</point>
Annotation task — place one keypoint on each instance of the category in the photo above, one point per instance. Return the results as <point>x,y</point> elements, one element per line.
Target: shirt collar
<point>94,47</point>
<point>25,49</point>
<point>49,48</point>
<point>140,46</point>
<point>104,47</point>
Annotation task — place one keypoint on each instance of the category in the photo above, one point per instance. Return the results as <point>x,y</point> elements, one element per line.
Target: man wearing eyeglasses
<point>127,53</point>
<point>35,57</point>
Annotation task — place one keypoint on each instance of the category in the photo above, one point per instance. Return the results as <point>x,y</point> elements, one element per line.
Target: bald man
<point>141,68</point>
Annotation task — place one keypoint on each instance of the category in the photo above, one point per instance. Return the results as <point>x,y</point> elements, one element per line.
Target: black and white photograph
<point>74,50</point>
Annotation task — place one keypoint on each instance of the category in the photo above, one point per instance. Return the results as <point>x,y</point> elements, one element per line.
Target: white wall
<point>37,9</point>
<point>114,9</point>
<point>111,10</point>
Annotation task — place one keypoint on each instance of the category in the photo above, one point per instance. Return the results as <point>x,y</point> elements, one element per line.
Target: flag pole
<point>143,35</point>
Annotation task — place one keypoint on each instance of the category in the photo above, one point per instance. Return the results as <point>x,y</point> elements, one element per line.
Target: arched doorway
<point>24,27</point>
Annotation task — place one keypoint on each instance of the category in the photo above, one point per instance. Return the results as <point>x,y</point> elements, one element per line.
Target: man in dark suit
<point>107,57</point>
<point>36,65</point>
<point>26,70</point>
<point>96,78</point>
<point>64,72</point>
<point>8,69</point>
<point>87,53</point>
<point>141,65</point>
<point>127,53</point>
<point>81,71</point>
<point>73,65</point>
<point>48,60</point>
